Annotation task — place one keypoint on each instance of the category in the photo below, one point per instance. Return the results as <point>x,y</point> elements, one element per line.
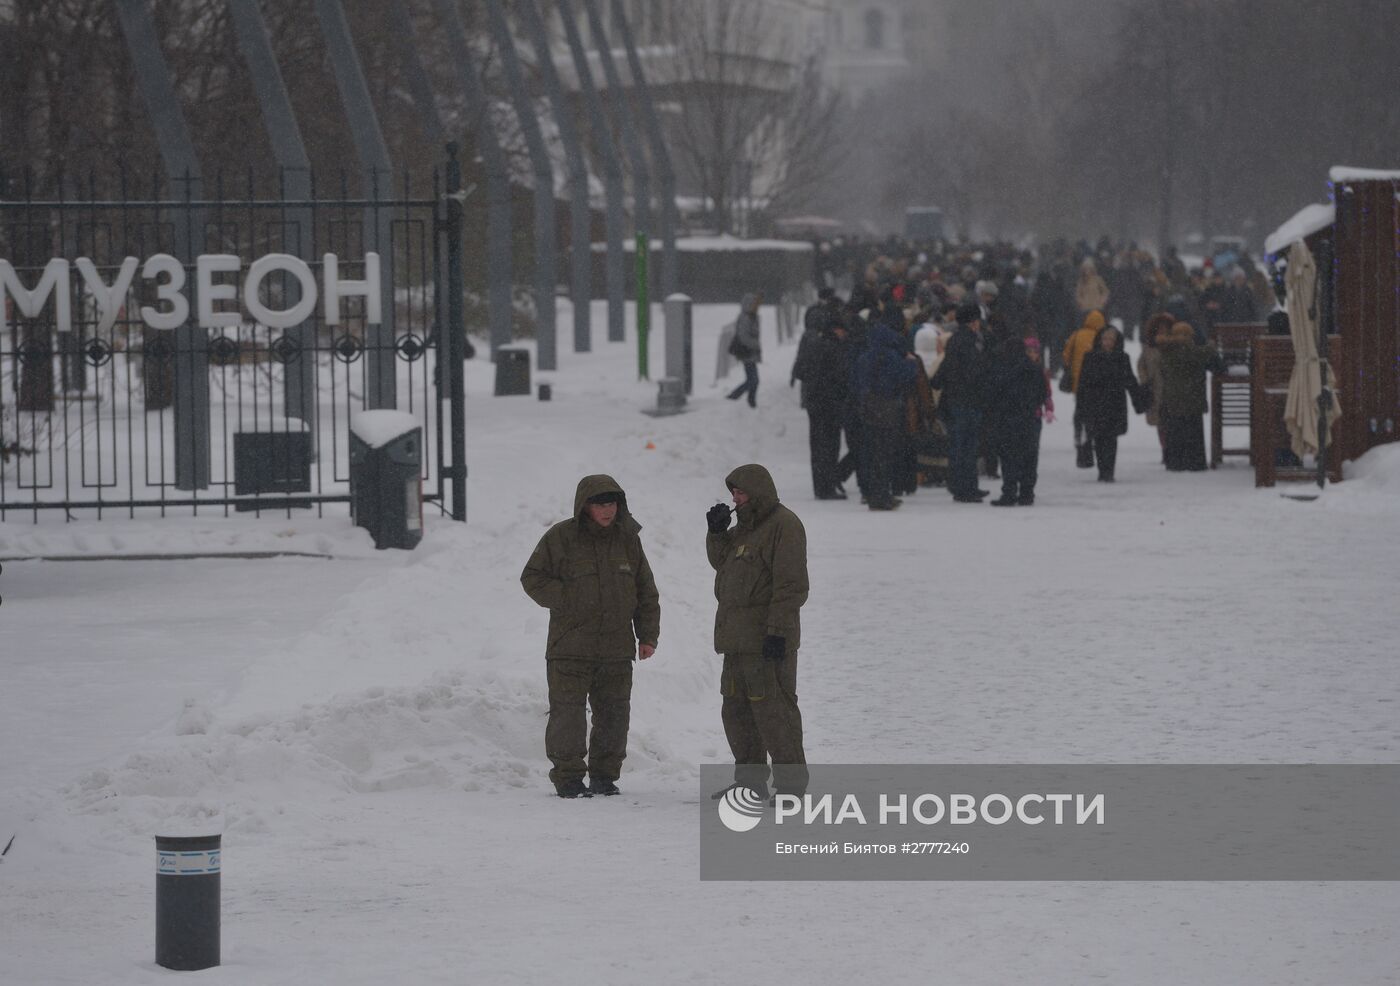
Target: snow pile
<point>378,428</point>
<point>1307,221</point>
<point>465,732</point>
<point>397,685</point>
<point>118,536</point>
<point>1378,471</point>
<point>1340,174</point>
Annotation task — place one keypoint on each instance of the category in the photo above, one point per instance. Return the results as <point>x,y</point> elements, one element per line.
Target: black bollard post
<point>187,901</point>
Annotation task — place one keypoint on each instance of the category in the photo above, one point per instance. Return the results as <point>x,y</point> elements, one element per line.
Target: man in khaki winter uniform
<point>591,574</point>
<point>761,583</point>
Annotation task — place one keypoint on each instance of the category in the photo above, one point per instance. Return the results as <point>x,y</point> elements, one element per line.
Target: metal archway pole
<point>580,215</point>
<point>191,413</point>
<point>660,156</point>
<point>279,119</point>
<point>493,161</point>
<point>641,182</point>
<point>547,350</point>
<point>612,174</point>
<point>636,157</point>
<point>381,386</point>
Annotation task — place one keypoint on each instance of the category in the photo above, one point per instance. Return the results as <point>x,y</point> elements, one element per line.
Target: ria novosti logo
<point>741,809</point>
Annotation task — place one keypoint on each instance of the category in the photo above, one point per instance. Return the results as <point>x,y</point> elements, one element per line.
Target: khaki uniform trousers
<point>762,720</point>
<point>606,687</point>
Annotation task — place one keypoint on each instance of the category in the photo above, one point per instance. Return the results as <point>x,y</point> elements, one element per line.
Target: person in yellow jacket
<point>1080,342</point>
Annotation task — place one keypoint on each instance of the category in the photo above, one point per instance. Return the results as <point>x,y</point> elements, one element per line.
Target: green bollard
<point>643,308</point>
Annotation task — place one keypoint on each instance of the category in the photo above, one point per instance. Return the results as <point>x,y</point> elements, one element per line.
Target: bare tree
<point>757,122</point>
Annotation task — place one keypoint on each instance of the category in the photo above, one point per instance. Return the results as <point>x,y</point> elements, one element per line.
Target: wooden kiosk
<point>1361,308</point>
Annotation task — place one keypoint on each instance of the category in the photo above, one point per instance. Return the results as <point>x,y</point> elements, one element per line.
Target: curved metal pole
<point>419,86</point>
<point>612,174</point>
<point>636,157</point>
<point>498,260</point>
<point>580,217</point>
<point>660,156</point>
<point>191,413</point>
<point>381,366</point>
<point>547,350</point>
<point>280,121</point>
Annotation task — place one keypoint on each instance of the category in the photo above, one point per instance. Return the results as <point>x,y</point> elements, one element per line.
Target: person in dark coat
<point>1128,294</point>
<point>1238,305</point>
<point>823,365</point>
<point>1052,308</point>
<point>884,379</point>
<point>853,462</point>
<point>1019,395</point>
<point>1183,404</point>
<point>747,347</point>
<point>1105,381</point>
<point>961,378</point>
<point>1212,303</point>
<point>1014,302</point>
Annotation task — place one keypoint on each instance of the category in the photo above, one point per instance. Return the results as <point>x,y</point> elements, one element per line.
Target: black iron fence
<point>105,406</point>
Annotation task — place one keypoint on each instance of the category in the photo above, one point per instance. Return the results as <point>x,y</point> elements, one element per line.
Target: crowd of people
<point>938,364</point>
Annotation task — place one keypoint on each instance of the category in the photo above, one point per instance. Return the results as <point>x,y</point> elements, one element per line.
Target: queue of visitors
<point>937,367</point>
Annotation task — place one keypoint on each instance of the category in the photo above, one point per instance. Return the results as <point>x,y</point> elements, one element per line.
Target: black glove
<point>774,648</point>
<point>718,518</point>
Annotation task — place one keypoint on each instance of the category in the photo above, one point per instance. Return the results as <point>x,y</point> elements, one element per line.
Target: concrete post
<point>680,331</point>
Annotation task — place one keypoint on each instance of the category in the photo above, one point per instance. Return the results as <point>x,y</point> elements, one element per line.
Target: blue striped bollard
<point>187,901</point>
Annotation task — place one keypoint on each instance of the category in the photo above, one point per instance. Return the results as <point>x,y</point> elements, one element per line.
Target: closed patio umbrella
<point>1300,413</point>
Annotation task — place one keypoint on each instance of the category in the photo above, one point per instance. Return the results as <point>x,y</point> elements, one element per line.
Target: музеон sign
<point>212,298</point>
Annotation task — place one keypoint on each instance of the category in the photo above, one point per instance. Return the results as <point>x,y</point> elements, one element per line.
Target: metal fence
<point>101,414</point>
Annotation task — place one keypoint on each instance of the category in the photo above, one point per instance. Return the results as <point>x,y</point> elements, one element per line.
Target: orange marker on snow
<point>651,445</point>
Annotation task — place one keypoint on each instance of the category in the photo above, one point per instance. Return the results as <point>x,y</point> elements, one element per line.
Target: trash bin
<point>512,371</point>
<point>386,485</point>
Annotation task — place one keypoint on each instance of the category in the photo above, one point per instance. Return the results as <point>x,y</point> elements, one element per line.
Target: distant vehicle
<point>923,222</point>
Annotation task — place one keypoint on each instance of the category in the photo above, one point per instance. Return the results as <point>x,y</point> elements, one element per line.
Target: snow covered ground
<point>366,729</point>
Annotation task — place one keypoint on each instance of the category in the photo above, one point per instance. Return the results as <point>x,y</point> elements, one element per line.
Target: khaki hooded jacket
<point>595,582</point>
<point>760,569</point>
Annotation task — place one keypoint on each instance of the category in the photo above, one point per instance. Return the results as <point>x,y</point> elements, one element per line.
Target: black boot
<point>573,788</point>
<point>603,786</point>
<point>1004,501</point>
